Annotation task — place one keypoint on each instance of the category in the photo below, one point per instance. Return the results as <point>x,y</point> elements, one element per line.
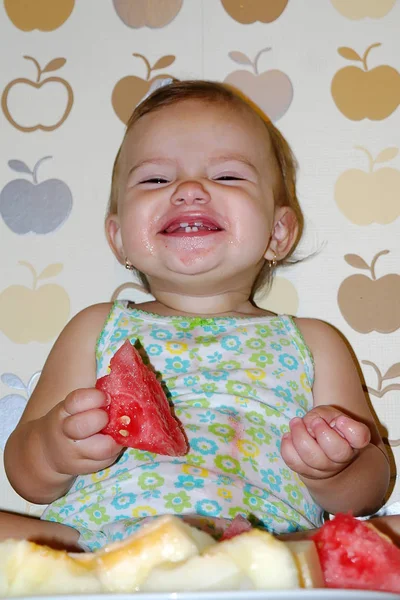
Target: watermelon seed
<point>124,432</point>
<point>125,420</point>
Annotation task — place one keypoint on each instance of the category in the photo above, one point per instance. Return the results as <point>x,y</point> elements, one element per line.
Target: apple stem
<point>255,62</point>
<point>369,155</point>
<point>368,50</point>
<point>372,268</point>
<point>39,70</point>
<point>377,371</point>
<point>146,62</point>
<point>35,168</point>
<point>32,270</point>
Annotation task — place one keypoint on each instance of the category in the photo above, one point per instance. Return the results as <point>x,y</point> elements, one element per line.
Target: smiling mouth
<point>191,227</point>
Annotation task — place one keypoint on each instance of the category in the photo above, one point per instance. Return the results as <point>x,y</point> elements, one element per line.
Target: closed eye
<point>155,180</point>
<point>229,178</point>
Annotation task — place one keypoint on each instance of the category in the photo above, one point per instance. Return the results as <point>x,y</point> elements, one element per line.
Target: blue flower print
<point>228,410</point>
<point>276,346</point>
<point>212,358</point>
<point>289,361</point>
<point>272,480</point>
<point>209,508</point>
<point>161,334</point>
<point>208,389</point>
<point>207,417</point>
<point>284,393</point>
<point>123,501</point>
<point>215,326</point>
<point>177,364</point>
<point>230,342</point>
<point>203,445</point>
<point>154,350</point>
<point>215,375</point>
<point>119,334</point>
<point>188,482</point>
<point>191,380</point>
<point>252,490</point>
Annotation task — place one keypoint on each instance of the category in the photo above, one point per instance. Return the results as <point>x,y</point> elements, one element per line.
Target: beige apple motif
<point>250,11</point>
<point>360,9</point>
<point>129,90</point>
<point>44,15</point>
<point>35,314</point>
<point>370,303</point>
<point>271,91</point>
<point>53,65</point>
<point>147,13</point>
<point>372,196</point>
<point>392,373</point>
<point>281,299</point>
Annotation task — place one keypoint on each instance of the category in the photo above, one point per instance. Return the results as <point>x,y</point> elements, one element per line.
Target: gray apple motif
<point>13,405</point>
<point>29,206</point>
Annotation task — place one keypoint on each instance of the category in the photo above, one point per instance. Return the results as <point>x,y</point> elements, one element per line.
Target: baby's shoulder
<point>322,338</point>
<point>88,322</point>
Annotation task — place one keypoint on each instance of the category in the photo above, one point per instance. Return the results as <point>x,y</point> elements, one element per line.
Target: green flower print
<point>294,494</point>
<point>150,481</point>
<point>255,418</point>
<point>286,474</point>
<point>301,399</point>
<point>293,385</point>
<point>227,464</point>
<point>255,343</point>
<point>225,432</point>
<point>209,388</point>
<point>53,515</point>
<point>195,460</point>
<point>261,359</point>
<point>254,502</point>
<point>177,502</point>
<point>237,388</point>
<point>206,340</point>
<point>97,514</point>
<point>199,403</point>
<point>263,331</point>
<point>235,511</point>
<point>229,365</point>
<point>259,435</point>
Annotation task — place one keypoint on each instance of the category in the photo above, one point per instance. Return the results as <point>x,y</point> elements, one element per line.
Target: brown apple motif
<point>365,94</point>
<point>34,314</point>
<point>45,15</point>
<point>129,90</point>
<point>53,65</point>
<point>250,11</point>
<point>359,9</point>
<point>271,91</point>
<point>367,303</point>
<point>147,13</point>
<point>372,196</point>
<point>392,373</point>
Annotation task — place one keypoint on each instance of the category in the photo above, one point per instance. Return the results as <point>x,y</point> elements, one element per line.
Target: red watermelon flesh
<point>139,412</point>
<point>239,525</point>
<point>354,555</point>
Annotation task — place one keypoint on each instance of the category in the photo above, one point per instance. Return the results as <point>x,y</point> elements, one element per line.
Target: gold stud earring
<point>272,263</point>
<point>128,265</point>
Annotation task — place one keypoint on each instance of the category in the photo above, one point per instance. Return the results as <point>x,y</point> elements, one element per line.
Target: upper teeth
<point>188,228</point>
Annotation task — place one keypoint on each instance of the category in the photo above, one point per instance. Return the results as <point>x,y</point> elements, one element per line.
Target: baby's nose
<point>190,192</point>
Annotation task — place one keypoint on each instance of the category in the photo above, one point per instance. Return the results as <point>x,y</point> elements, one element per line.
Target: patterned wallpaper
<point>326,71</point>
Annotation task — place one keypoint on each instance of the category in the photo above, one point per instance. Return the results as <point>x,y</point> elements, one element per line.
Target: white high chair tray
<point>317,594</point>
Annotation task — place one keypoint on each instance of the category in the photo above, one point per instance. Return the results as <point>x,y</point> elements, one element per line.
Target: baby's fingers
<point>357,434</point>
<point>84,399</point>
<point>84,424</point>
<point>335,447</point>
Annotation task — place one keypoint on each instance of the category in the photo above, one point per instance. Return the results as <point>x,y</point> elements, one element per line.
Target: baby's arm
<point>58,436</point>
<point>336,448</point>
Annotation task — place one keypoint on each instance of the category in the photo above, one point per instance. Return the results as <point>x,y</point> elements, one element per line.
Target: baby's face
<point>196,195</point>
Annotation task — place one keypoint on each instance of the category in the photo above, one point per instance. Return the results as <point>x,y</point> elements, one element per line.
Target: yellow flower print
<point>192,470</point>
<point>100,475</point>
<point>242,402</point>
<point>304,383</point>
<point>224,493</point>
<point>255,374</point>
<point>176,347</point>
<point>143,511</point>
<point>248,448</point>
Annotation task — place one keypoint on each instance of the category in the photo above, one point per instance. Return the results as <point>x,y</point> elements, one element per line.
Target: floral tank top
<point>235,383</point>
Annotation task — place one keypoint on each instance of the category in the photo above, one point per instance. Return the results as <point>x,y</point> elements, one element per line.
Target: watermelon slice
<point>239,525</point>
<point>354,555</point>
<point>139,412</point>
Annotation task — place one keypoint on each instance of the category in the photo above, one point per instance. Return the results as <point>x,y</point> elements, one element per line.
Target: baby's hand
<point>323,442</point>
<point>72,428</point>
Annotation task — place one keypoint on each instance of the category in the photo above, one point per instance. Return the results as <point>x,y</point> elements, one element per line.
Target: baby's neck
<point>220,305</point>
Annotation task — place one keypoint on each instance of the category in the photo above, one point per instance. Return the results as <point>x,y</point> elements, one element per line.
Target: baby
<point>204,207</point>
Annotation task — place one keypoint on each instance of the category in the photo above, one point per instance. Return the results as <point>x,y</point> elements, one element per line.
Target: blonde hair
<point>219,93</point>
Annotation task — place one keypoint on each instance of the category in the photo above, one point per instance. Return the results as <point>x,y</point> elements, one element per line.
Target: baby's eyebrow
<point>150,161</point>
<point>233,157</point>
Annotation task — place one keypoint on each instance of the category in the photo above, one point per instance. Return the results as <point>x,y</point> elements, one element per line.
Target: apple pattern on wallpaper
<point>361,9</point>
<point>271,90</point>
<point>12,405</point>
<point>44,15</point>
<point>36,312</point>
<point>28,206</point>
<point>129,90</point>
<point>363,93</point>
<point>19,86</point>
<point>147,13</point>
<point>250,11</point>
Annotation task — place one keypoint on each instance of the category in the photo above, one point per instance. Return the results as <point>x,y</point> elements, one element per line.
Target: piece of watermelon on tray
<point>139,412</point>
<point>354,555</point>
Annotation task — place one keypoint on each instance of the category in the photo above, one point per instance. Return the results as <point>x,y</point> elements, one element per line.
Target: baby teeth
<point>189,229</point>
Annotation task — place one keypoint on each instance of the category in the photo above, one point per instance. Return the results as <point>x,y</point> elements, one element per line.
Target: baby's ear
<point>113,233</point>
<point>284,233</point>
